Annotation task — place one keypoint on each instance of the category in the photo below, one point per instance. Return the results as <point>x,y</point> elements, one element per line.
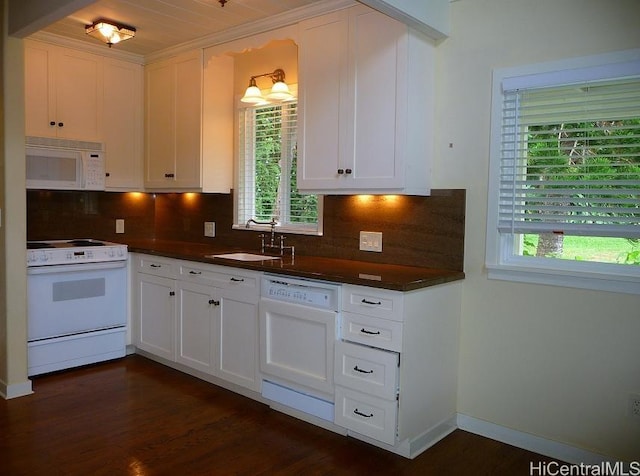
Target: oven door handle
<point>72,268</point>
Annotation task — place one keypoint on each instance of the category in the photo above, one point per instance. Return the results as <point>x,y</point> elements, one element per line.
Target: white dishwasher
<point>299,327</point>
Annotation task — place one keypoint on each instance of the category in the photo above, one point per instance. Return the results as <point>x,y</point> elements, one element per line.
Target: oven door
<point>71,299</point>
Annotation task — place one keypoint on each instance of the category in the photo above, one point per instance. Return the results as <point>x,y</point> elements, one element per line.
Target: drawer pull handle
<point>195,272</point>
<point>213,302</point>
<point>172,293</point>
<point>238,280</point>
<point>358,369</point>
<point>379,303</point>
<point>155,265</point>
<point>359,413</point>
<point>373,333</point>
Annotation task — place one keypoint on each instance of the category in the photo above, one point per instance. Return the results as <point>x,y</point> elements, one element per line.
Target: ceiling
<point>163,24</point>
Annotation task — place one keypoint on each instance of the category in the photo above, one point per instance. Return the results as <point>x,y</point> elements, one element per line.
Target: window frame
<point>501,260</point>
<point>238,199</point>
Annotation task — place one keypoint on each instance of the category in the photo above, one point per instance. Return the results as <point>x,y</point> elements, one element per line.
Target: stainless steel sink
<point>244,257</point>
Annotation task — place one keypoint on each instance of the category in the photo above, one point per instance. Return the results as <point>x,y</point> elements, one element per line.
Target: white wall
<point>563,368</point>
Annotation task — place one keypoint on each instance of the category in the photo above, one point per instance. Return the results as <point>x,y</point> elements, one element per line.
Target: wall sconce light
<point>279,90</point>
<point>110,32</point>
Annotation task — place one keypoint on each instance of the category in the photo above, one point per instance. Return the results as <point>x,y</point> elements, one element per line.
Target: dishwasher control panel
<point>317,294</point>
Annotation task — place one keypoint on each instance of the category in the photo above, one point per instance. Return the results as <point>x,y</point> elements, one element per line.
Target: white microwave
<point>53,168</point>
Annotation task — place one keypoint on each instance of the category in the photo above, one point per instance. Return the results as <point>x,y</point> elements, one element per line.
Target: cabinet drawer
<point>220,277</point>
<point>157,266</point>
<point>372,331</point>
<point>368,370</point>
<point>370,416</point>
<point>373,302</point>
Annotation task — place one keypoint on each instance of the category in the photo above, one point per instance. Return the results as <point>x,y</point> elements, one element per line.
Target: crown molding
<point>253,28</point>
<point>98,48</point>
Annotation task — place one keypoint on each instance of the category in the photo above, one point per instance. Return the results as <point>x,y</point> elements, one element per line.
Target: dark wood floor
<point>136,417</point>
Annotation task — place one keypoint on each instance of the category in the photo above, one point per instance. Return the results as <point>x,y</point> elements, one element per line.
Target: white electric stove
<point>77,303</point>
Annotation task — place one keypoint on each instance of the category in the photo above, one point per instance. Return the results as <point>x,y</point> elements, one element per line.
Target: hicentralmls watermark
<point>554,468</point>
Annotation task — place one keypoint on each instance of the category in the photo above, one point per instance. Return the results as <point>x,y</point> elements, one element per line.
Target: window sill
<point>279,229</point>
<point>599,278</point>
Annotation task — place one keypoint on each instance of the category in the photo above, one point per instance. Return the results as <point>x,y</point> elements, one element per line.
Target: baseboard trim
<point>16,390</point>
<point>529,442</point>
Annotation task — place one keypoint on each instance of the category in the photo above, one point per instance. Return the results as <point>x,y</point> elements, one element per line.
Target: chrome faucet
<point>272,244</point>
<point>271,223</point>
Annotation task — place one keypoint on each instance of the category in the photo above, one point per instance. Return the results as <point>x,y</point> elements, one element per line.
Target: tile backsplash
<point>417,231</point>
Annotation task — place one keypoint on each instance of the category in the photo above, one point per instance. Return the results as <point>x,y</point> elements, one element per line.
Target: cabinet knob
<point>340,171</point>
<point>52,123</point>
<point>347,171</point>
<point>60,124</point>
<point>213,302</point>
<point>107,174</point>
<point>172,293</point>
<point>169,175</point>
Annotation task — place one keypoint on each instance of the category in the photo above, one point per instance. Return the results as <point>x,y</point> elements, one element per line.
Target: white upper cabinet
<point>63,93</point>
<point>123,105</point>
<point>366,105</point>
<point>173,118</point>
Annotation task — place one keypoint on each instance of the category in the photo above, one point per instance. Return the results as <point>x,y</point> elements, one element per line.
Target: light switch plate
<point>371,241</point>
<point>119,225</point>
<point>210,229</point>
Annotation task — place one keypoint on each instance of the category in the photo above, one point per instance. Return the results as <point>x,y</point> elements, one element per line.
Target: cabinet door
<point>188,107</point>
<point>156,315</point>
<point>377,45</point>
<point>78,95</point>
<point>39,90</point>
<point>197,308</point>
<point>322,109</point>
<point>123,124</point>
<point>236,342</point>
<point>173,122</point>
<point>160,134</point>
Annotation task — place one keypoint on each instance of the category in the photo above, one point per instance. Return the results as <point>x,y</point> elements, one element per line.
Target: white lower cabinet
<point>396,366</point>
<point>202,316</point>
<point>155,307</point>
<point>366,390</point>
<point>197,310</point>
<point>388,371</point>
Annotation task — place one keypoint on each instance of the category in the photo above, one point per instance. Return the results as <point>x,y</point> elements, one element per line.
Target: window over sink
<point>266,178</point>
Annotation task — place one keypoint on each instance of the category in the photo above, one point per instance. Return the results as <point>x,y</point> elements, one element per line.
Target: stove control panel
<point>72,255</point>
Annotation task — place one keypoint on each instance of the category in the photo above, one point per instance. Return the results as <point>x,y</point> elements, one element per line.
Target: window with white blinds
<point>267,168</point>
<point>570,160</point>
<point>564,173</point>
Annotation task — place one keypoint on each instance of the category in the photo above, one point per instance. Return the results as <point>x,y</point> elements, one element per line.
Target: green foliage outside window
<point>276,193</point>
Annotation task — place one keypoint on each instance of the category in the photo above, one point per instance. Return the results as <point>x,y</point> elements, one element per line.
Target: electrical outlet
<point>119,225</point>
<point>371,241</point>
<point>634,405</point>
<point>210,229</point>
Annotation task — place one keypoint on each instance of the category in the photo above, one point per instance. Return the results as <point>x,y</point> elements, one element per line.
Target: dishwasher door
<point>297,345</point>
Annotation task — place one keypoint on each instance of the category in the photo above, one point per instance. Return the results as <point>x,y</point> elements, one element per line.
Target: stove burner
<point>85,243</point>
<point>36,245</point>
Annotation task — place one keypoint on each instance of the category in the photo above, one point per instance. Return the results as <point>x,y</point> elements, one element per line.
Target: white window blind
<point>570,159</point>
<point>266,176</point>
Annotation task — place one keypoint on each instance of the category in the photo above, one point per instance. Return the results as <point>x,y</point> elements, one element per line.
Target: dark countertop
<point>386,276</point>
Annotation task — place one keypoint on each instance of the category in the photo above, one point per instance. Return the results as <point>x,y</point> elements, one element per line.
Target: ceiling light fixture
<point>110,32</point>
<point>279,90</point>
